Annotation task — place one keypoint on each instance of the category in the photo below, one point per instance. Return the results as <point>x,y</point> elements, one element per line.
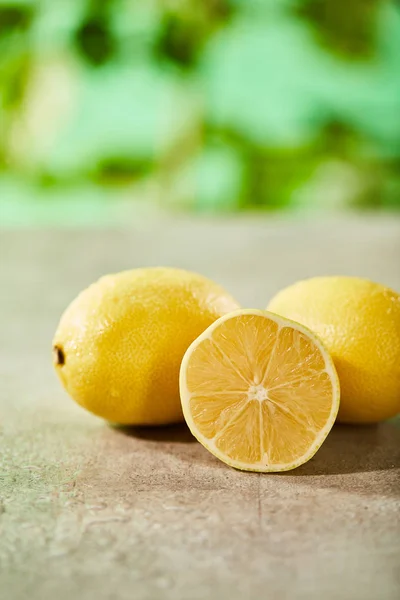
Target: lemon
<point>259,391</point>
<point>359,322</point>
<point>119,345</point>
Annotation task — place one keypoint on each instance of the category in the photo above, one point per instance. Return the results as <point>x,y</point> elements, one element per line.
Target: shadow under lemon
<point>347,449</point>
<point>356,449</point>
<point>178,433</point>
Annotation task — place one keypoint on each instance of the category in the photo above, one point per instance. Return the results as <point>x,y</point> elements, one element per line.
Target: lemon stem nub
<point>59,356</point>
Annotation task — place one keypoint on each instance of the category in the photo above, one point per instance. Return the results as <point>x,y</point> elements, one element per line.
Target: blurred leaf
<point>338,139</point>
<point>221,9</point>
<point>120,169</point>
<point>273,175</point>
<point>178,41</point>
<point>14,72</point>
<point>14,17</point>
<point>184,32</point>
<point>95,40</point>
<point>346,27</point>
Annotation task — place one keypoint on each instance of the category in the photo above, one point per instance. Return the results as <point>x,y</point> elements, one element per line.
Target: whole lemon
<point>119,345</point>
<point>359,321</point>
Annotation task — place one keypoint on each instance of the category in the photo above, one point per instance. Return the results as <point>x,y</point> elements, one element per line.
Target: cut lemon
<point>259,391</point>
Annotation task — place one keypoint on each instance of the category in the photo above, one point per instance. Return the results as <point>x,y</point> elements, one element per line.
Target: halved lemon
<point>259,391</point>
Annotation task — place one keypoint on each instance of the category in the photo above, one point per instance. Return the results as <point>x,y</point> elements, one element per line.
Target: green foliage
<point>220,104</point>
<point>346,28</point>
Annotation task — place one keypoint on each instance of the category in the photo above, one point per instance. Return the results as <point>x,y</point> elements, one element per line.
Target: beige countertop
<point>88,511</point>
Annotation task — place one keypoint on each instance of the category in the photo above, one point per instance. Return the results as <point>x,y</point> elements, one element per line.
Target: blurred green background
<point>111,109</point>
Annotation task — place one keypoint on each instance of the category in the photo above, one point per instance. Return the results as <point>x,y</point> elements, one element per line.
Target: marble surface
<point>90,511</point>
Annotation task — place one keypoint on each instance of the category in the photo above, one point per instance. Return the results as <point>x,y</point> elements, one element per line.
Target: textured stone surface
<point>89,511</point>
